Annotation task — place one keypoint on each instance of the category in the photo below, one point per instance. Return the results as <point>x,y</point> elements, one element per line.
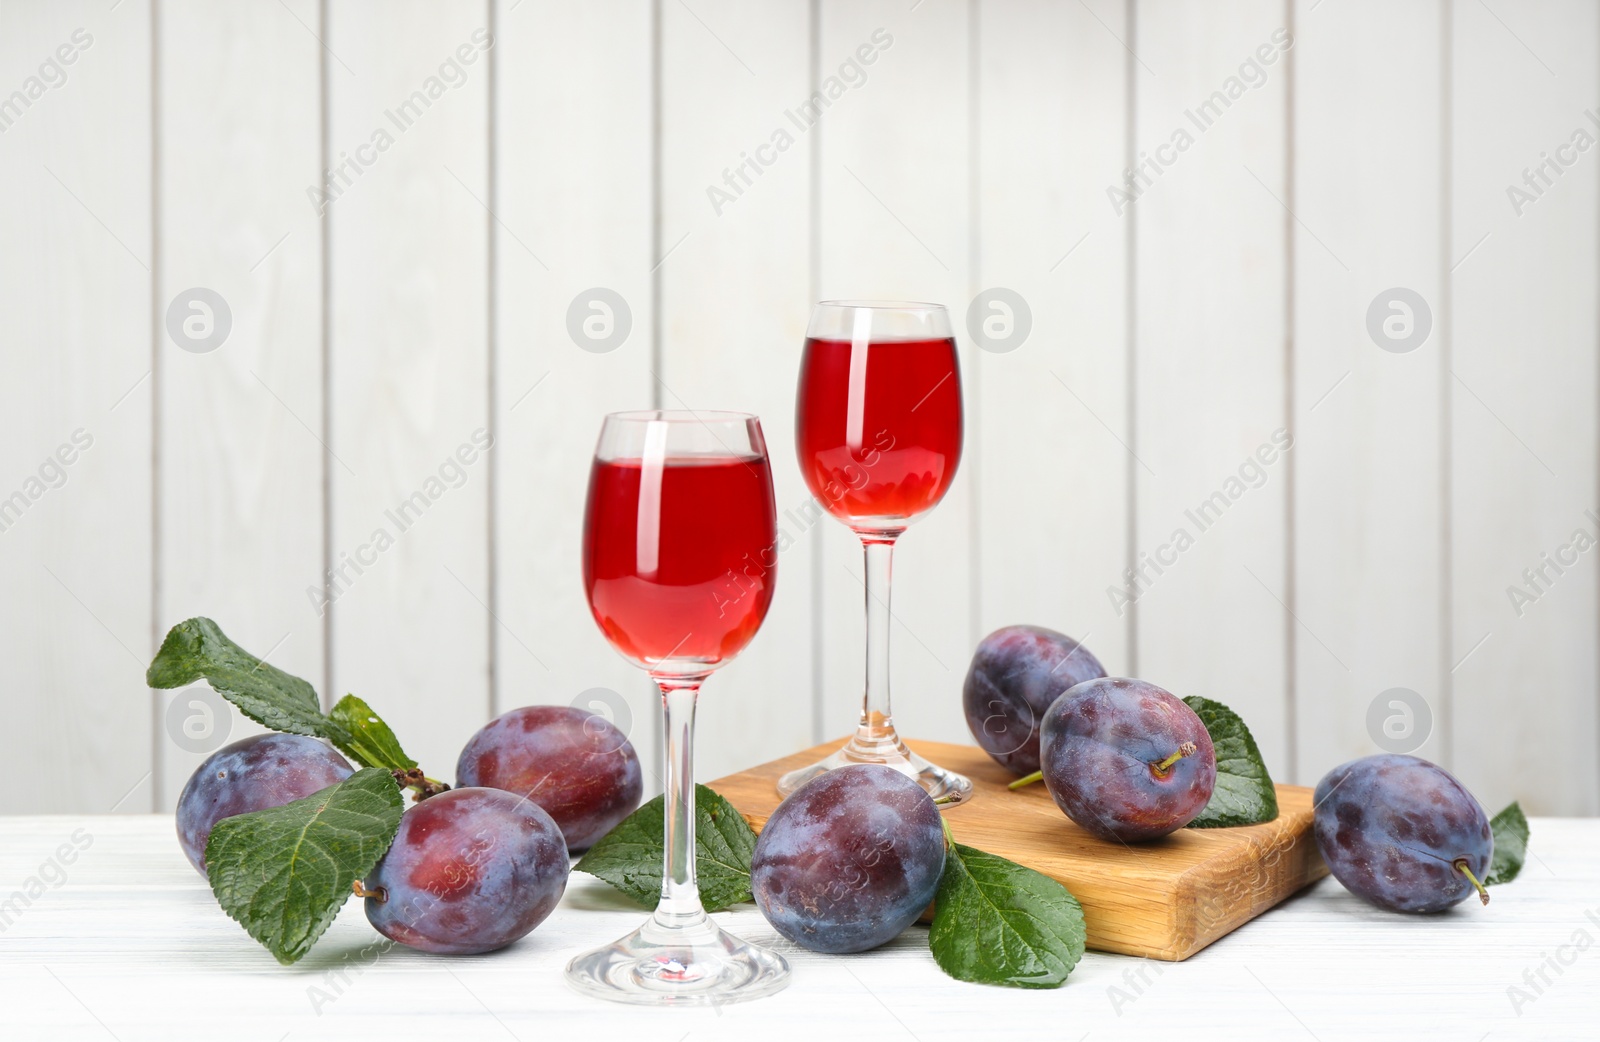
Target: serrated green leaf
<point>284,873</point>
<point>1510,828</point>
<point>197,648</point>
<point>1244,794</point>
<point>629,857</point>
<point>369,741</point>
<point>998,922</point>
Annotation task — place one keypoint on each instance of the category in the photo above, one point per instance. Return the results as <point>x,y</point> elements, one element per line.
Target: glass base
<point>689,964</point>
<point>883,746</point>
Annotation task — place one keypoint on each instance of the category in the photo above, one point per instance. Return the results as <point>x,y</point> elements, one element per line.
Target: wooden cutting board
<point>1165,899</point>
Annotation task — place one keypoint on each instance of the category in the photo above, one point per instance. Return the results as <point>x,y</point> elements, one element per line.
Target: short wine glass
<point>679,562</point>
<point>878,428</point>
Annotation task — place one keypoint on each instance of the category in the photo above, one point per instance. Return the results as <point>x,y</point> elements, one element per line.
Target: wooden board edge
<point>755,821</point>
<point>1286,863</point>
<point>1280,861</point>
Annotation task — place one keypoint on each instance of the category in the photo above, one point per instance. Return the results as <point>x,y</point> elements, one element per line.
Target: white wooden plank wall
<point>895,191</point>
<point>1051,412</point>
<point>1369,446</point>
<point>1209,360</point>
<point>239,473</point>
<point>1524,442</point>
<point>729,72</point>
<point>532,152</point>
<point>573,197</point>
<point>409,365</point>
<point>75,289</point>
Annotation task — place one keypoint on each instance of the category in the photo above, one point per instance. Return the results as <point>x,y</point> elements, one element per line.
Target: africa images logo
<point>852,73</point>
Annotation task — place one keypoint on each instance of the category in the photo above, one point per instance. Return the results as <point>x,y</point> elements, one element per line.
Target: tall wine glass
<point>679,561</point>
<point>878,431</point>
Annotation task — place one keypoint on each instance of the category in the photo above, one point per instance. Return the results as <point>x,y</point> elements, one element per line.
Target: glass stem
<point>680,894</point>
<point>877,722</point>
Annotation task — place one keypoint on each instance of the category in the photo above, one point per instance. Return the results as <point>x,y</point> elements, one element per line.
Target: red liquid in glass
<point>680,557</point>
<point>879,437</point>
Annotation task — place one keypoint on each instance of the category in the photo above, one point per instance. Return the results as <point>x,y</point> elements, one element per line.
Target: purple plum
<point>266,770</point>
<point>849,860</point>
<point>1127,760</point>
<point>1016,673</point>
<point>470,870</point>
<point>1403,833</point>
<point>576,765</point>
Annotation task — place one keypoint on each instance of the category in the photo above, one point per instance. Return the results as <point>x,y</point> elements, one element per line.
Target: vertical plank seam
<point>814,271</point>
<point>1445,391</point>
<point>325,246</point>
<point>1130,275</point>
<point>1593,807</point>
<point>658,724</point>
<point>492,348</point>
<point>1291,694</point>
<point>656,353</point>
<point>157,750</point>
<point>974,394</point>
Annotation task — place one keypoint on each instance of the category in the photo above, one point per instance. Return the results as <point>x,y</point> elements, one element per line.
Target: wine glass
<point>679,561</point>
<point>878,432</point>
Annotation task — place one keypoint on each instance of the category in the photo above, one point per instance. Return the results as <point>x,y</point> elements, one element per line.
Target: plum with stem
<point>1126,760</point>
<point>1403,833</point>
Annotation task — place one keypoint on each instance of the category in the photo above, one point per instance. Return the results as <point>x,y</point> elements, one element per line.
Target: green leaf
<point>1244,794</point>
<point>997,922</point>
<point>1510,828</point>
<point>198,648</point>
<point>629,857</point>
<point>368,740</point>
<point>284,873</point>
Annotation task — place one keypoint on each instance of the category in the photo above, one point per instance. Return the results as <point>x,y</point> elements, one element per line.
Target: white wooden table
<point>130,946</point>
